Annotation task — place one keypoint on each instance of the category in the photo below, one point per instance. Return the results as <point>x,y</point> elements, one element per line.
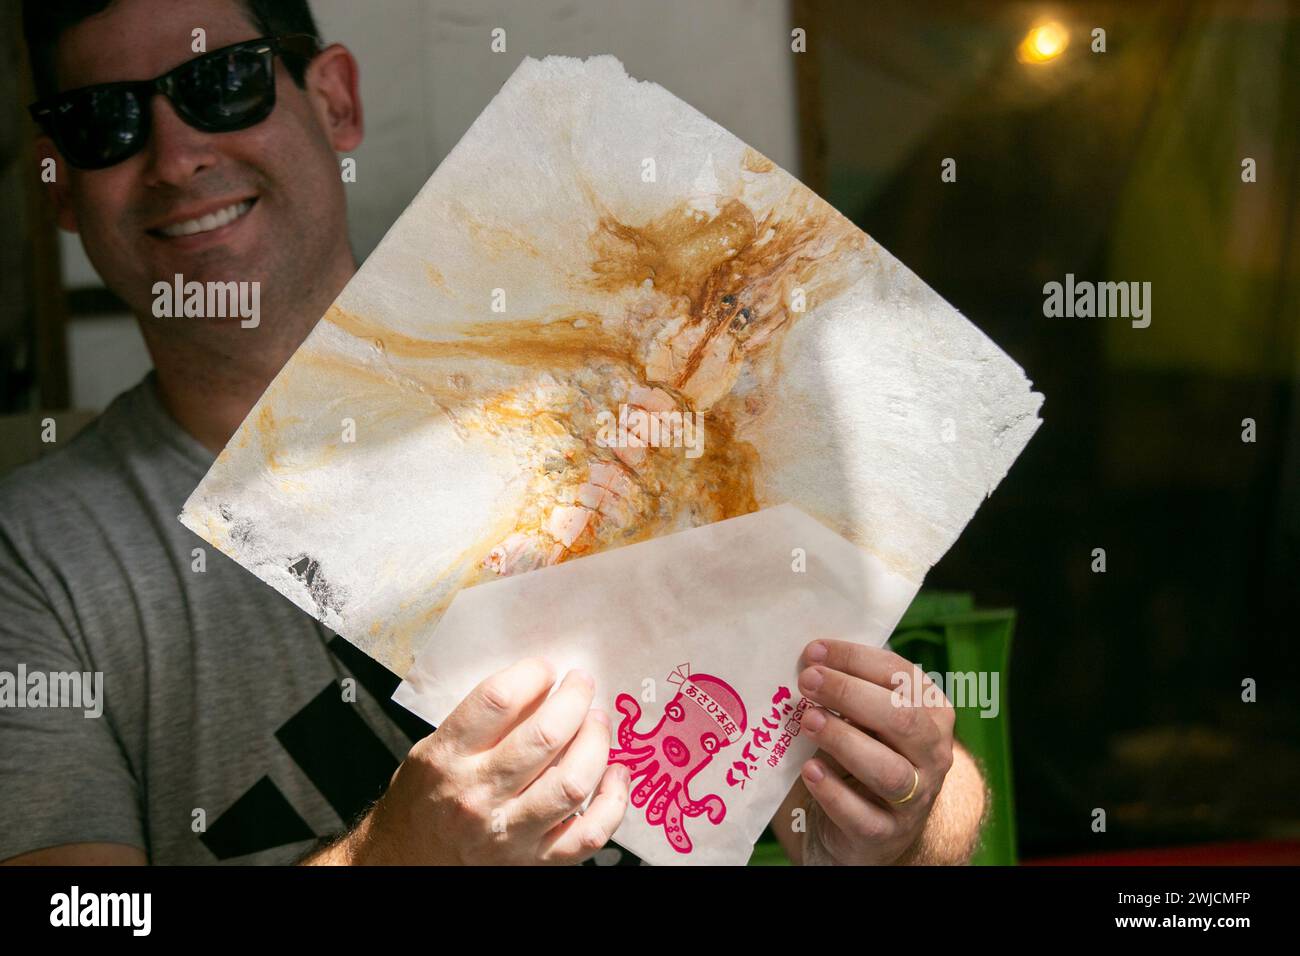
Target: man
<point>231,725</point>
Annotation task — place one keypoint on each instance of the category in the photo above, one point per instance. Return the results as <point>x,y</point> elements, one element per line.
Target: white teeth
<point>215,220</point>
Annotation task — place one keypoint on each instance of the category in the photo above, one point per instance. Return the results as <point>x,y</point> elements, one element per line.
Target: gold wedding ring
<point>916,782</point>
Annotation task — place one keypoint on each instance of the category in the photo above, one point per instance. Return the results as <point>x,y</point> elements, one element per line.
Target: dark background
<point>1125,687</point>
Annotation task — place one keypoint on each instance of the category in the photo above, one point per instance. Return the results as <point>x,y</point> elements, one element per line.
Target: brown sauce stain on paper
<point>435,277</point>
<point>281,462</point>
<point>532,343</point>
<point>494,241</point>
<point>678,253</point>
<point>756,162</point>
<point>695,300</point>
<point>735,277</point>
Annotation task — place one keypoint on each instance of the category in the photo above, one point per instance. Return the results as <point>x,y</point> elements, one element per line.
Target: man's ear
<point>53,172</point>
<point>333,85</point>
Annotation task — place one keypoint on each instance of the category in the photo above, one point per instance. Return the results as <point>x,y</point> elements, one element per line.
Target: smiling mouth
<point>209,223</point>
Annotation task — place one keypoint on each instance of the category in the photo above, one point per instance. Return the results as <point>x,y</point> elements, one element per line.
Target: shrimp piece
<point>638,426</point>
<point>608,475</point>
<point>633,455</point>
<point>590,496</point>
<point>567,522</point>
<point>603,473</point>
<point>519,552</point>
<point>618,510</point>
<point>716,373</point>
<point>651,399</point>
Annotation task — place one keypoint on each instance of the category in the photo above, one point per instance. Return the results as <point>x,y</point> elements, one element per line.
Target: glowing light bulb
<point>1044,42</point>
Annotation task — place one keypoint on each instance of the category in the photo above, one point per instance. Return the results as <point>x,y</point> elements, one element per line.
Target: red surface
<point>1262,853</point>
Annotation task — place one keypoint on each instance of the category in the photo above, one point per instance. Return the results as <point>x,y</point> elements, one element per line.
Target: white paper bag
<point>694,640</point>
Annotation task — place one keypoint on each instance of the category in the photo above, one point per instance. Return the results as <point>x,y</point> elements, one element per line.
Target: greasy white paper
<point>595,245</point>
<point>694,639</point>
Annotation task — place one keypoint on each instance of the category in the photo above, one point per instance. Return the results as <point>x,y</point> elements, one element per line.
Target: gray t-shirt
<point>231,728</point>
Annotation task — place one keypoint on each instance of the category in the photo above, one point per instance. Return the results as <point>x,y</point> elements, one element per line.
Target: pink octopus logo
<point>706,715</point>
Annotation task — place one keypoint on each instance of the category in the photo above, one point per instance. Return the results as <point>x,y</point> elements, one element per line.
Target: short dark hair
<point>44,21</point>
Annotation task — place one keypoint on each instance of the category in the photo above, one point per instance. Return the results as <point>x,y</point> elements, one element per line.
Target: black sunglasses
<point>218,92</point>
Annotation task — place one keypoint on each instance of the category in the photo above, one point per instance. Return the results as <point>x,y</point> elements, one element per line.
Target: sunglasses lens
<point>224,91</point>
<point>228,91</point>
<point>98,128</point>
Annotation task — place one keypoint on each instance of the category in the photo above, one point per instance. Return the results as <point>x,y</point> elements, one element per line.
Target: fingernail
<point>583,676</point>
<point>816,652</point>
<point>812,770</point>
<point>603,718</point>
<point>814,720</point>
<point>812,678</point>
<point>625,772</point>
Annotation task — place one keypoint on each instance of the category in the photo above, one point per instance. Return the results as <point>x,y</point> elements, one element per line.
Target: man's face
<point>280,177</point>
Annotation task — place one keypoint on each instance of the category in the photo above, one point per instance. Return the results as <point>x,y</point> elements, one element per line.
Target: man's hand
<point>499,781</point>
<point>881,764</point>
